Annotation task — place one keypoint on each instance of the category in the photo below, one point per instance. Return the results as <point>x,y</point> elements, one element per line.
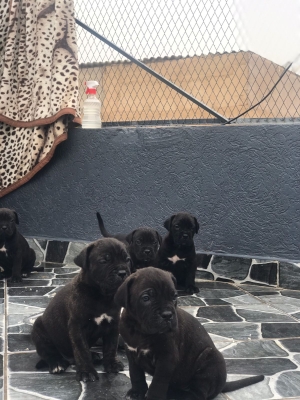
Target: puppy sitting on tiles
<point>83,311</point>
<point>142,244</point>
<point>16,257</point>
<point>168,343</point>
<point>177,252</point>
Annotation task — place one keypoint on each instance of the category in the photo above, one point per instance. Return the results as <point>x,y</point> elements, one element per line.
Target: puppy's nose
<point>167,315</point>
<point>147,251</point>
<point>122,273</point>
<point>4,227</point>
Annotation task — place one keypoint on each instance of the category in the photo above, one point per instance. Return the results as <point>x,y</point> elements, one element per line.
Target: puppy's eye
<point>138,242</point>
<point>107,257</point>
<point>175,295</point>
<point>145,298</point>
<point>176,226</point>
<point>128,260</point>
<point>155,242</point>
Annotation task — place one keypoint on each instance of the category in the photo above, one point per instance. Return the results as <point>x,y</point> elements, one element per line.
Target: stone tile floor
<point>257,328</point>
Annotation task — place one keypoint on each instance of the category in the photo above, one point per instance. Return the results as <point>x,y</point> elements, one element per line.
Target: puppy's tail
<point>41,364</point>
<point>101,226</point>
<point>230,386</point>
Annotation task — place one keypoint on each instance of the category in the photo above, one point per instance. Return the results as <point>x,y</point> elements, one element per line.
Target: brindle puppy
<point>83,311</point>
<point>177,252</point>
<point>142,244</point>
<point>16,257</point>
<point>168,343</point>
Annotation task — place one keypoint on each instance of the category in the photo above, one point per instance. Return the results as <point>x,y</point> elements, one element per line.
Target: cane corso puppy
<point>83,311</point>
<point>142,244</point>
<point>16,257</point>
<point>177,252</point>
<point>167,342</point>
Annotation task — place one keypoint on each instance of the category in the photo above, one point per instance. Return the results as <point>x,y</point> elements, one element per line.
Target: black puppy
<point>83,311</point>
<point>177,252</point>
<point>142,243</point>
<point>16,257</point>
<point>167,342</point>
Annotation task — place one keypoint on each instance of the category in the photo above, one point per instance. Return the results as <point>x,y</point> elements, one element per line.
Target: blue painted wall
<point>241,182</point>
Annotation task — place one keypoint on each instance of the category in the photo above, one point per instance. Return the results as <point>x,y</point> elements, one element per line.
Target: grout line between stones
<point>263,301</point>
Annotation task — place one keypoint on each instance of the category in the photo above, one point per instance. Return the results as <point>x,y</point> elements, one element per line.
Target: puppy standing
<point>16,257</point>
<point>168,343</point>
<point>142,244</point>
<point>177,252</point>
<point>83,311</point>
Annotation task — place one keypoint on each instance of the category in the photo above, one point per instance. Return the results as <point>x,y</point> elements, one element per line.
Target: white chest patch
<point>103,317</point>
<point>175,258</point>
<point>4,250</point>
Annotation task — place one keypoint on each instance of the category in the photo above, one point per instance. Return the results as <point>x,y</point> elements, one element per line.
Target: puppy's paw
<point>25,274</point>
<point>87,375</point>
<point>134,395</point>
<point>57,367</point>
<point>192,289</point>
<point>16,278</point>
<point>114,366</point>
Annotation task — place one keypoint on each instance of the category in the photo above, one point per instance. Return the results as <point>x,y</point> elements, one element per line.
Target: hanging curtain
<point>38,85</point>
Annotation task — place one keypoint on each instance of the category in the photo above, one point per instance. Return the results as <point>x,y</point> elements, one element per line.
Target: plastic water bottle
<point>91,107</point>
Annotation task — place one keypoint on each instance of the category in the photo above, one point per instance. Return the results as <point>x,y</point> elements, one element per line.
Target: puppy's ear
<point>129,237</point>
<point>174,280</point>
<point>16,217</point>
<point>196,225</point>
<point>82,259</point>
<point>159,238</point>
<point>123,293</point>
<point>168,223</point>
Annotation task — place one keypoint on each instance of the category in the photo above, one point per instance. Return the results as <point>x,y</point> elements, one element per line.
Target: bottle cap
<point>91,87</point>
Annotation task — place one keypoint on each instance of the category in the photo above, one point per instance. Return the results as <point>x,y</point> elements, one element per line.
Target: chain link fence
<point>197,45</point>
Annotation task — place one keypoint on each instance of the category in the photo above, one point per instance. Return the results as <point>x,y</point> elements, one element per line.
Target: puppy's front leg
<point>190,286</point>
<point>83,359</point>
<point>110,345</point>
<point>16,268</point>
<point>164,369</point>
<point>138,380</point>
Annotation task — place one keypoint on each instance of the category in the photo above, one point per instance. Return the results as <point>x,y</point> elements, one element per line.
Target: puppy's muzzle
<point>147,254</point>
<point>185,238</point>
<point>168,321</point>
<point>123,274</point>
<point>167,315</point>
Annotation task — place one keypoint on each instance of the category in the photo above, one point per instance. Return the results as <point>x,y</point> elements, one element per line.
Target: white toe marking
<point>1,269</point>
<point>175,258</point>
<point>143,351</point>
<point>103,317</point>
<point>131,348</point>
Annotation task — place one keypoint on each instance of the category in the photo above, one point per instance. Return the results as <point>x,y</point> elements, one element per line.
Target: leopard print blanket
<point>38,85</point>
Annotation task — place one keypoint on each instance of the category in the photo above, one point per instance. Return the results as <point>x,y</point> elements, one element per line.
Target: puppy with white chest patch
<point>142,244</point>
<point>16,257</point>
<point>177,252</point>
<point>83,311</point>
<point>168,343</point>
